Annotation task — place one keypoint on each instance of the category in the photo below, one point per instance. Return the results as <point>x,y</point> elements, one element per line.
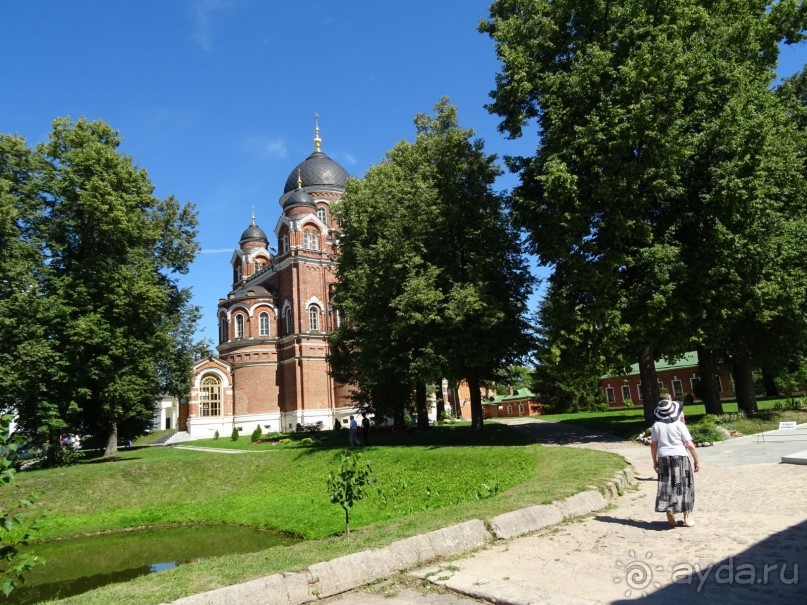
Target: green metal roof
<point>689,360</point>
<point>520,394</point>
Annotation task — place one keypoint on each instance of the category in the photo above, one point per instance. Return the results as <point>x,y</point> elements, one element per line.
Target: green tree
<point>18,523</point>
<point>349,484</point>
<point>114,255</point>
<point>513,377</point>
<point>570,358</point>
<point>432,282</point>
<point>639,160</point>
<point>30,356</point>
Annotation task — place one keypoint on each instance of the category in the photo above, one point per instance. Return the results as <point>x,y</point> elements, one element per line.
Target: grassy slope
<point>427,480</point>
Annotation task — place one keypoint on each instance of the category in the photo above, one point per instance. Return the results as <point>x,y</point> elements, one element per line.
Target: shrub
<point>306,441</point>
<point>314,427</point>
<point>19,520</point>
<point>708,419</point>
<point>702,432</point>
<point>730,419</point>
<point>234,435</point>
<point>216,434</point>
<point>628,403</point>
<point>256,434</point>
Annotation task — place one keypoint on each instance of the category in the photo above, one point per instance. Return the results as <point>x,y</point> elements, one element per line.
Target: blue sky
<point>216,98</point>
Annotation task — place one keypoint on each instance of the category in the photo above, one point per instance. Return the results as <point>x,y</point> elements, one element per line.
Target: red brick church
<point>273,324</point>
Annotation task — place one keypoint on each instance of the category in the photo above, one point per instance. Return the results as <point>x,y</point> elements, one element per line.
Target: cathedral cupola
<point>317,172</point>
<point>254,234</point>
<point>299,199</point>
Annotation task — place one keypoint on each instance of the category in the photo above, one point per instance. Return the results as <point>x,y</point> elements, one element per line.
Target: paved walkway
<point>749,544</point>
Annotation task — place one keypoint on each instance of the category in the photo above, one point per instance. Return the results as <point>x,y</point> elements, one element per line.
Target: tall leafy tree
<point>626,180</point>
<point>114,255</point>
<point>29,354</point>
<point>429,261</point>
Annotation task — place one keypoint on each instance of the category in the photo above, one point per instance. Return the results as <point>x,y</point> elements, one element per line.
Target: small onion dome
<point>317,170</point>
<point>253,233</point>
<point>299,199</point>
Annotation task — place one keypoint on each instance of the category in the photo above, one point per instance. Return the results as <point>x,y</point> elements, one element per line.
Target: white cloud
<point>345,157</point>
<point>203,12</point>
<point>267,149</point>
<point>215,250</point>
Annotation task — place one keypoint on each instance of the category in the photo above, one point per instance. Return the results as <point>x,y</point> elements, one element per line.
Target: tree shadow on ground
<point>767,572</point>
<point>563,433</point>
<point>435,437</point>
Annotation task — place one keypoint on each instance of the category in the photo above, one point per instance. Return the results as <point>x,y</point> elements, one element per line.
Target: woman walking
<point>670,442</point>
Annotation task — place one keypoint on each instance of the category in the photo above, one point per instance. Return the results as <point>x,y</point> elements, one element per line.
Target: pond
<point>81,564</point>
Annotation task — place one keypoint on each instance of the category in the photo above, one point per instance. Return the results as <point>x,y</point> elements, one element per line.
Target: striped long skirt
<point>676,485</point>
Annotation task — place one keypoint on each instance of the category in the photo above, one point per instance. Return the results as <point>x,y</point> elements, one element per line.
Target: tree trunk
<point>769,381</point>
<point>743,371</point>
<point>111,440</point>
<point>420,406</point>
<point>456,410</point>
<point>53,450</point>
<point>650,390</point>
<point>707,387</point>
<point>441,404</point>
<point>477,417</point>
<point>347,522</point>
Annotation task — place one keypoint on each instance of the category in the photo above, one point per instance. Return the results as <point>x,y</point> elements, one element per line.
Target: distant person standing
<point>354,432</point>
<point>365,429</point>
<point>671,446</point>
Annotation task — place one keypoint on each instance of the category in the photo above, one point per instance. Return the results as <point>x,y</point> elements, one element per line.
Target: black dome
<point>253,233</point>
<point>317,169</point>
<point>299,198</point>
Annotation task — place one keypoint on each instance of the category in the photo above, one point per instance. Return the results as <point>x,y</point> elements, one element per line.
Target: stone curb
<point>345,573</point>
<point>531,519</point>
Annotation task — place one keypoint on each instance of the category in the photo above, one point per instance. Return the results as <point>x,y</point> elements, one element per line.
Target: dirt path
<point>749,544</point>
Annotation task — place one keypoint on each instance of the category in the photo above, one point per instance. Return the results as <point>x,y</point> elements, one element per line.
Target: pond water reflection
<point>81,564</point>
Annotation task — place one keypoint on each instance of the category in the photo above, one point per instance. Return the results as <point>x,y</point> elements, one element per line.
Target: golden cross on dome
<point>317,140</point>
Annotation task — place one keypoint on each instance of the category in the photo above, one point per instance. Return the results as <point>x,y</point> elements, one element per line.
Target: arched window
<point>257,269</point>
<point>313,319</point>
<point>284,244</point>
<point>321,215</point>
<point>223,329</point>
<point>237,274</point>
<point>263,324</point>
<point>210,396</point>
<point>310,239</point>
<point>239,326</point>
<point>288,318</point>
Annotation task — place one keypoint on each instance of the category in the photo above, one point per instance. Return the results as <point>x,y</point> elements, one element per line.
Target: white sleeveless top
<point>671,437</point>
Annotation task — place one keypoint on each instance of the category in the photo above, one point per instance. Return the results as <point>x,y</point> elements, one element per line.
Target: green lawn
<point>628,423</point>
<point>425,481</point>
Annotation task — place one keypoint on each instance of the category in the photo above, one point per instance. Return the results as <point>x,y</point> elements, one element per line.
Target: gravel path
<point>749,544</point>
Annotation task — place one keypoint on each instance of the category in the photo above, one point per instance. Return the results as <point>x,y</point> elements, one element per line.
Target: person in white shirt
<point>354,432</point>
<point>670,447</point>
